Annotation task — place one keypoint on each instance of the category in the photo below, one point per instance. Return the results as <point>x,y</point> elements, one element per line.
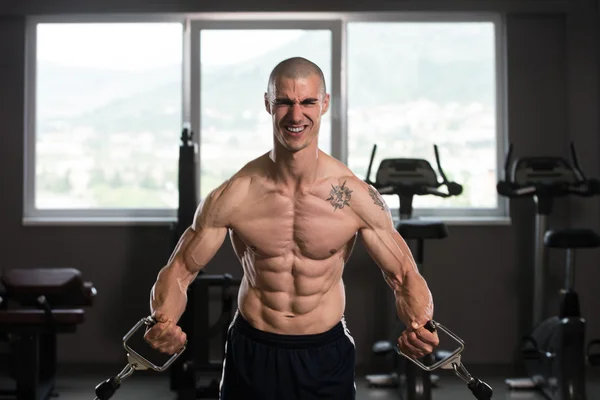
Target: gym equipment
<point>187,183</point>
<point>135,362</point>
<point>480,389</point>
<point>37,305</point>
<point>195,375</point>
<point>406,178</point>
<point>554,353</point>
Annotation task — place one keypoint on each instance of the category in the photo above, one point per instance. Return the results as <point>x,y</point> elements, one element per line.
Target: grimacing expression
<point>296,106</point>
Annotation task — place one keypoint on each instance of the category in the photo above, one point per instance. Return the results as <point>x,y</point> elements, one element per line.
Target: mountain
<point>385,65</point>
<point>128,123</point>
<point>67,91</point>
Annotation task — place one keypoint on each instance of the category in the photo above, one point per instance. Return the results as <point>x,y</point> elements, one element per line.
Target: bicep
<point>196,247</point>
<point>200,241</point>
<point>202,245</point>
<point>380,237</point>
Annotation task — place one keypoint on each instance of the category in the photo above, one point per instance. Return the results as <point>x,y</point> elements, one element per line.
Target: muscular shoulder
<point>222,204</point>
<point>363,199</point>
<point>366,202</point>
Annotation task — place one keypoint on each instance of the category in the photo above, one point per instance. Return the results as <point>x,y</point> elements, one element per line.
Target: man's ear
<point>267,103</point>
<point>325,104</point>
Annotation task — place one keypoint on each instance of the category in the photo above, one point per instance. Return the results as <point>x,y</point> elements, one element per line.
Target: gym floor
<point>80,385</point>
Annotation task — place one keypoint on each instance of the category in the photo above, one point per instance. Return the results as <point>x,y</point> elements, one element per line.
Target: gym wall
<point>480,276</point>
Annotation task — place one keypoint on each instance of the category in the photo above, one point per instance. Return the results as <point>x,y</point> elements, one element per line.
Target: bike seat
<point>417,229</point>
<point>571,238</point>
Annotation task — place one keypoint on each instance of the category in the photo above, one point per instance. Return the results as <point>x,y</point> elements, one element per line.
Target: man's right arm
<point>196,247</point>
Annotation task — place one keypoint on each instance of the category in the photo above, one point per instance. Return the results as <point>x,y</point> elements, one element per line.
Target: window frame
<point>334,87</point>
<point>192,24</point>
<point>470,215</point>
<point>95,216</point>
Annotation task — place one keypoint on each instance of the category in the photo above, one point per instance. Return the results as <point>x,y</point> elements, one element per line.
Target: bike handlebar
<point>584,187</point>
<point>453,188</point>
<point>419,190</point>
<point>587,188</point>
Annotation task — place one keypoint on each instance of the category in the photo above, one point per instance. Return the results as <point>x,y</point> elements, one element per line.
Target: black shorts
<point>261,365</point>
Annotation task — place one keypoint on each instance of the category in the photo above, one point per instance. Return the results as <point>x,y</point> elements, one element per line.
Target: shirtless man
<point>293,215</point>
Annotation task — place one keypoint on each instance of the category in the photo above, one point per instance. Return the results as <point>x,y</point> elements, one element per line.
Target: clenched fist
<point>417,342</point>
<point>165,335</point>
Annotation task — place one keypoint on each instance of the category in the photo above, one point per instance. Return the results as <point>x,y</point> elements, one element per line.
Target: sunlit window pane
<point>413,85</point>
<point>108,115</point>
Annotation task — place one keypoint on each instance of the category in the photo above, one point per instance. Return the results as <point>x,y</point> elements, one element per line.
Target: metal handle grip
<point>139,362</point>
<point>446,362</point>
<point>105,390</point>
<point>480,389</point>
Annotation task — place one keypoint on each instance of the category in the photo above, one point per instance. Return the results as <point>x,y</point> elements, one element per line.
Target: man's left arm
<point>414,303</point>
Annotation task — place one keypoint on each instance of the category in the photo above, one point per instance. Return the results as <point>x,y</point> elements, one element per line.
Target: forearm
<point>413,299</point>
<point>169,293</point>
<point>390,252</point>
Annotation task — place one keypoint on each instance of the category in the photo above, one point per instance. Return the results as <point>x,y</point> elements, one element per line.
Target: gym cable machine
<point>193,375</point>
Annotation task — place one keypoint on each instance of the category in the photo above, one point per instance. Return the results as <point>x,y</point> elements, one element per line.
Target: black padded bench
<point>37,304</point>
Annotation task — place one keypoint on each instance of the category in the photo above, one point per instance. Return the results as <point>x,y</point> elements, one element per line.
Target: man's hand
<point>417,341</point>
<point>165,335</point>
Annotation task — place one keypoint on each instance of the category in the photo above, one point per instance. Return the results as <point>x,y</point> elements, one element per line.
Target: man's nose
<point>296,113</point>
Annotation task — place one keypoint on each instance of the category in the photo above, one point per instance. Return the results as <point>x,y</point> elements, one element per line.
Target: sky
<point>148,45</point>
<point>136,46</point>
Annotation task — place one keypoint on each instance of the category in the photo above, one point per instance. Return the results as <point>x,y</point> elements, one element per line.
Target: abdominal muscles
<point>291,293</point>
<point>293,255</point>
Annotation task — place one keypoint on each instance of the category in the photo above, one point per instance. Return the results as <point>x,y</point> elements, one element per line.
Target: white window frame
<point>95,216</point>
<point>192,24</point>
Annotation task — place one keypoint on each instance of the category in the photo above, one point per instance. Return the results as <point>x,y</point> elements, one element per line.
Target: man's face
<point>296,106</point>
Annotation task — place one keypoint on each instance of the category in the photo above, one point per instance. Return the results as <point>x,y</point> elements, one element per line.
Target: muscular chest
<point>310,225</point>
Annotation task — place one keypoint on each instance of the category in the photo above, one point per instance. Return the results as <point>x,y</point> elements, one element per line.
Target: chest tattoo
<point>339,196</point>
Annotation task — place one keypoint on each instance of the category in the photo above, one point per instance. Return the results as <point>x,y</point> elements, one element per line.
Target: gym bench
<point>37,305</point>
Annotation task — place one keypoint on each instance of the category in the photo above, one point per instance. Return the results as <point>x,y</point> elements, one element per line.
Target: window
<point>415,84</point>
<point>107,100</point>
<point>234,125</point>
<point>108,114</point>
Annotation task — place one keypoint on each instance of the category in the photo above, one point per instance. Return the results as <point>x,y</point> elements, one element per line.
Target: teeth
<point>295,130</point>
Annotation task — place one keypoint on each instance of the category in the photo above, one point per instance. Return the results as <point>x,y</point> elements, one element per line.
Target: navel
<point>333,251</point>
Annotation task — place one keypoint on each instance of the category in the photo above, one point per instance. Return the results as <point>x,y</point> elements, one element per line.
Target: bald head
<point>295,68</point>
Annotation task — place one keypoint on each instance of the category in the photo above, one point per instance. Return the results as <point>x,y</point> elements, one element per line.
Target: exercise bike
<point>406,178</point>
<point>554,353</point>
